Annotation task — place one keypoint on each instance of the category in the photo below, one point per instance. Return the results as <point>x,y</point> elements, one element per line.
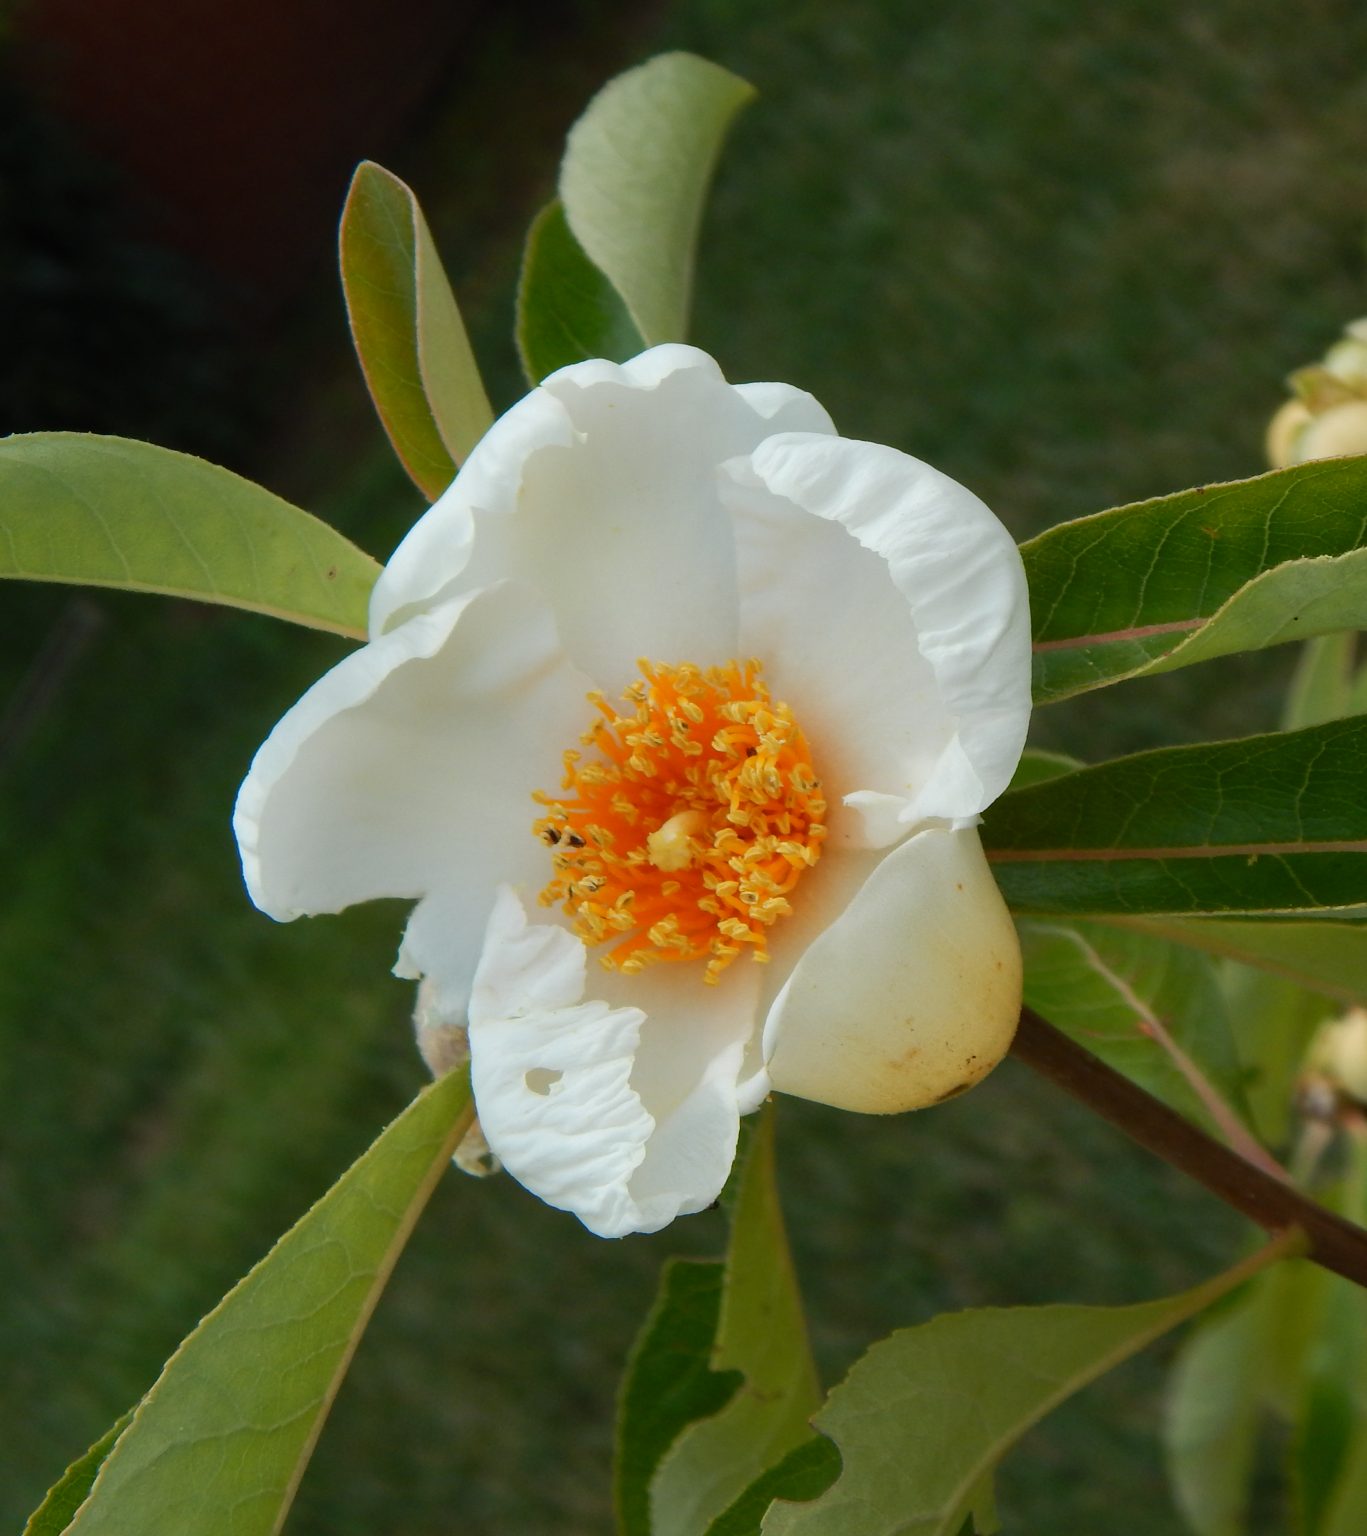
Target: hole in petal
<point>543,1080</point>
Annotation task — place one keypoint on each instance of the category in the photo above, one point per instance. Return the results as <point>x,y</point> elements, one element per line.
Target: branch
<point>1334,1243</point>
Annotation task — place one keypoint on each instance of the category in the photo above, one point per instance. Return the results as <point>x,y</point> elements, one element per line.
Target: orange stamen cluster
<point>683,836</point>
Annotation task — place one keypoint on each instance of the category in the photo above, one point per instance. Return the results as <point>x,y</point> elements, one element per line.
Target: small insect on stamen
<point>674,840</point>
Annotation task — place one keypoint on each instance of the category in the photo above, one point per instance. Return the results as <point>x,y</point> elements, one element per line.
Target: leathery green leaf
<point>110,512</point>
<point>70,1490</point>
<point>218,1446</point>
<point>669,1382</point>
<point>635,176</point>
<point>761,1335</point>
<point>1210,1428</point>
<point>566,309</point>
<point>1324,957</point>
<point>1148,1008</point>
<point>1199,574</point>
<point>929,1411</point>
<point>1322,685</point>
<point>1272,823</point>
<point>409,336</point>
<point>807,1470</point>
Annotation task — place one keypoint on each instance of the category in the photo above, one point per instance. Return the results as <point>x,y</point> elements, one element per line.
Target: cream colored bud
<point>1284,432</point>
<point>1335,432</point>
<point>1339,1053</point>
<point>443,1046</point>
<point>1347,359</point>
<point>1326,418</point>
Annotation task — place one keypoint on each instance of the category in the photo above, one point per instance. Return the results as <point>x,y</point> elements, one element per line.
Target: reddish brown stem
<point>1334,1243</point>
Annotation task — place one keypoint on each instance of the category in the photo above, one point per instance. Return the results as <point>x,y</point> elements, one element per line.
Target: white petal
<point>436,550</point>
<point>912,995</point>
<point>641,1123</point>
<point>600,489</point>
<point>408,770</point>
<point>890,608</point>
<point>551,1074</point>
<point>786,409</point>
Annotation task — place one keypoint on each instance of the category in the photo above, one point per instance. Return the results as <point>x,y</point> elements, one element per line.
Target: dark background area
<point>1066,254</point>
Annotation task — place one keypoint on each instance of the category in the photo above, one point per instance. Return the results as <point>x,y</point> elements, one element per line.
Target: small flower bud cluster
<point>1327,414</point>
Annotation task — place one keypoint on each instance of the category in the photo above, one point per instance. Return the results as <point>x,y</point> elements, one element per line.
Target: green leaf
<point>566,309</point>
<point>1332,1418</point>
<point>929,1411</point>
<point>1203,573</point>
<point>1037,767</point>
<point>1124,994</point>
<point>1211,1424</point>
<point>70,1491</point>
<point>1276,1022</point>
<point>1265,824</point>
<point>1322,685</point>
<point>1236,1362</point>
<point>1325,957</point>
<point>409,336</point>
<point>635,175</point>
<point>761,1334</point>
<point>109,512</point>
<point>218,1446</point>
<point>807,1470</point>
<point>668,1384</point>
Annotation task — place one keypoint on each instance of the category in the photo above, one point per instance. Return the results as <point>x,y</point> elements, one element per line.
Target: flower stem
<point>1334,1243</point>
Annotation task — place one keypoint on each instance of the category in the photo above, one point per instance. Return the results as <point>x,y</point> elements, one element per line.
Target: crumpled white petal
<point>616,1113</point>
<point>891,609</point>
<point>912,995</point>
<point>408,770</point>
<point>589,490</point>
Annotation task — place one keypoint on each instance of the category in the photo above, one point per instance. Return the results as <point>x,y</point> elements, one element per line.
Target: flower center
<point>685,833</point>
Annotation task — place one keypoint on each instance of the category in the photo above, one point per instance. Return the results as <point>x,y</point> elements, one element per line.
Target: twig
<point>1334,1243</point>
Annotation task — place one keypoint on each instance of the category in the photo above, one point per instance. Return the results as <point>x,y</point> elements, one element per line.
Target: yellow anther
<point>684,835</point>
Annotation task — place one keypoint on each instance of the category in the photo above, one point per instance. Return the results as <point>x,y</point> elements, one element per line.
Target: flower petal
<point>551,1074</point>
<point>890,608</point>
<point>408,770</point>
<point>912,995</point>
<point>436,550</point>
<point>624,1109</point>
<point>600,489</point>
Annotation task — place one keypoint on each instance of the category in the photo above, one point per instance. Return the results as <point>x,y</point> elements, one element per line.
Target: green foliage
<point>1292,1345</point>
<point>669,1382</point>
<point>566,309</point>
<point>761,1334</point>
<point>635,176</point>
<point>70,1490</point>
<point>807,1470</point>
<point>923,1418</point>
<point>1199,574</point>
<point>720,1386</point>
<point>1145,1006</point>
<point>1267,824</point>
<point>220,1442</point>
<point>1213,1415</point>
<point>108,512</point>
<point>1322,686</point>
<point>408,332</point>
<point>1329,958</point>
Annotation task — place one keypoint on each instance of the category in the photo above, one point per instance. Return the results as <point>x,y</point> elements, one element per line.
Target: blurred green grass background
<point>1065,253</point>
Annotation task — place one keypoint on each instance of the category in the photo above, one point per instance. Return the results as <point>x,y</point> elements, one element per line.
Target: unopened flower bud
<point>1327,414</point>
<point>1339,1054</point>
<point>444,1045</point>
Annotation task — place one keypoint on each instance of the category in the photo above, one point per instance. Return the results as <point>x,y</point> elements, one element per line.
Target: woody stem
<point>1275,1206</point>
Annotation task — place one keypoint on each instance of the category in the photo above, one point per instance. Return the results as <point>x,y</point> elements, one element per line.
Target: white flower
<point>826,827</point>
